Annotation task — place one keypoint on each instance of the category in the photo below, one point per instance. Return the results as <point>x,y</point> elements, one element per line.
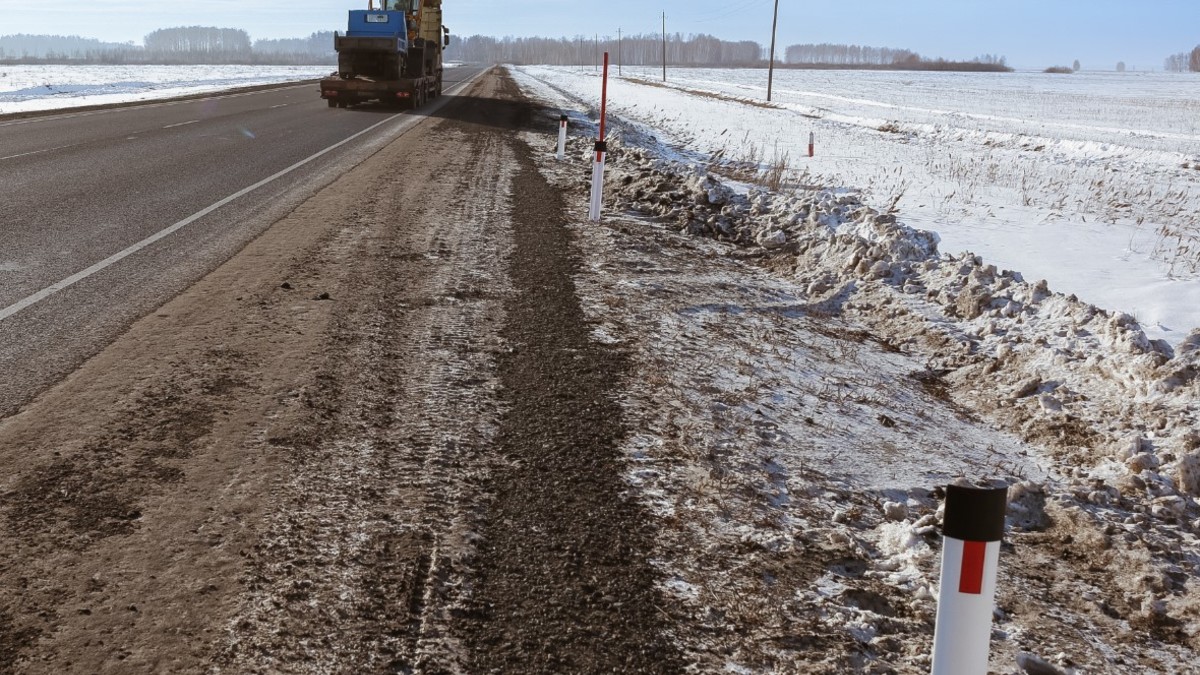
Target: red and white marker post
<point>562,138</point>
<point>601,151</point>
<point>973,527</point>
<point>812,143</point>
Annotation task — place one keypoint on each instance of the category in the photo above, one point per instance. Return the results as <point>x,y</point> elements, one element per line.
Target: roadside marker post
<point>972,529</point>
<point>812,141</point>
<point>601,150</point>
<point>562,138</point>
<point>597,182</point>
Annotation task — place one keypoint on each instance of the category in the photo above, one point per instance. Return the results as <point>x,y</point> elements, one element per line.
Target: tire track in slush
<point>564,580</point>
<point>387,486</point>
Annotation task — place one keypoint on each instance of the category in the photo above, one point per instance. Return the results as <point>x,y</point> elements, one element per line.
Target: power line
<point>742,7</point>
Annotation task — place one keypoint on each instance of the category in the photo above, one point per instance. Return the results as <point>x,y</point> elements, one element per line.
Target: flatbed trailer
<point>406,92</point>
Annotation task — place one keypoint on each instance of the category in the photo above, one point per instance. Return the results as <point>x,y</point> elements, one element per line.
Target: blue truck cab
<point>384,24</point>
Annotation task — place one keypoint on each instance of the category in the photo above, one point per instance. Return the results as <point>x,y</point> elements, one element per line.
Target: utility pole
<point>664,46</point>
<point>618,51</point>
<point>597,59</point>
<point>771,67</point>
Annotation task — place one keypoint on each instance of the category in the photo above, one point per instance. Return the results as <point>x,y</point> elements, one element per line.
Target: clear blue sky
<point>1032,33</point>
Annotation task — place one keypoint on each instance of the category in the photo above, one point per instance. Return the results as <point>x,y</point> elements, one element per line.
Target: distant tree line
<point>315,49</point>
<point>882,58</point>
<point>220,43</point>
<point>180,45</point>
<point>57,47</point>
<point>632,50</point>
<point>694,50</point>
<point>1184,61</point>
<point>846,55</point>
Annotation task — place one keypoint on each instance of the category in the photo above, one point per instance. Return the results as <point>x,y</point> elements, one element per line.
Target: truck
<point>392,54</point>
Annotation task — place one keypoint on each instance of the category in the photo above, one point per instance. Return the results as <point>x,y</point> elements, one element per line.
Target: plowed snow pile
<point>812,370</point>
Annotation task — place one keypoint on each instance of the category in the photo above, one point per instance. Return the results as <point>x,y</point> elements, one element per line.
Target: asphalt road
<point>107,214</point>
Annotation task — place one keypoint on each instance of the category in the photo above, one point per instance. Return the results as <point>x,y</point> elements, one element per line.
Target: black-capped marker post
<point>600,152</point>
<point>562,138</point>
<point>973,527</point>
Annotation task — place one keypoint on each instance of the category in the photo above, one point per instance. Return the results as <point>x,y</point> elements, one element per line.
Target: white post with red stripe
<point>562,138</point>
<point>597,182</point>
<point>812,143</point>
<point>601,151</point>
<point>973,528</point>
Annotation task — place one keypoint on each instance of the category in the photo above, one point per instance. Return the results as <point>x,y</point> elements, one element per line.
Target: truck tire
<point>332,103</point>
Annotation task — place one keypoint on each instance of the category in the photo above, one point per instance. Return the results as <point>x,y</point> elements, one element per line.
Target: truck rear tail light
<point>329,93</point>
<point>402,94</point>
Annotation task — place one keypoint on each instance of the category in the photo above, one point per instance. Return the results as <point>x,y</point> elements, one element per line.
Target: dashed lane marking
<point>37,152</point>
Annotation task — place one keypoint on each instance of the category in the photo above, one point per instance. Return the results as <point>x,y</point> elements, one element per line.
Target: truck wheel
<point>332,103</point>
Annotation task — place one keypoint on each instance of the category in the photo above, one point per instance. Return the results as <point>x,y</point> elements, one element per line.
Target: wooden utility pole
<point>618,51</point>
<point>771,67</point>
<point>664,46</point>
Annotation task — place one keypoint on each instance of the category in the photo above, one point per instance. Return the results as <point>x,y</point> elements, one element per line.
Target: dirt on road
<point>379,439</point>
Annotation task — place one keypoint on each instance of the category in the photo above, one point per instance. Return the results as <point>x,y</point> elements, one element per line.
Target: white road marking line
<point>180,124</point>
<point>27,302</point>
<point>281,105</point>
<point>37,152</point>
<point>121,255</point>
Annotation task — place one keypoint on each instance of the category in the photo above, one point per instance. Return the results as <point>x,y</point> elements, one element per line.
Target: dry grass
<point>751,163</point>
<point>1093,193</point>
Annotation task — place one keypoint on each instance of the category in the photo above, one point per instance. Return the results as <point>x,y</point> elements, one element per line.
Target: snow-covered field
<point>29,88</point>
<point>1090,181</point>
<point>811,369</point>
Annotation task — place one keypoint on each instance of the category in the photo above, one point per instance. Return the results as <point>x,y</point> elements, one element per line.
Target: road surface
<point>377,439</point>
<point>81,187</point>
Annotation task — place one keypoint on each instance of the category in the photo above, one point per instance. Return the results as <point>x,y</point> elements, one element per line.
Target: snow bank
<point>1089,182</point>
<point>992,330</point>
